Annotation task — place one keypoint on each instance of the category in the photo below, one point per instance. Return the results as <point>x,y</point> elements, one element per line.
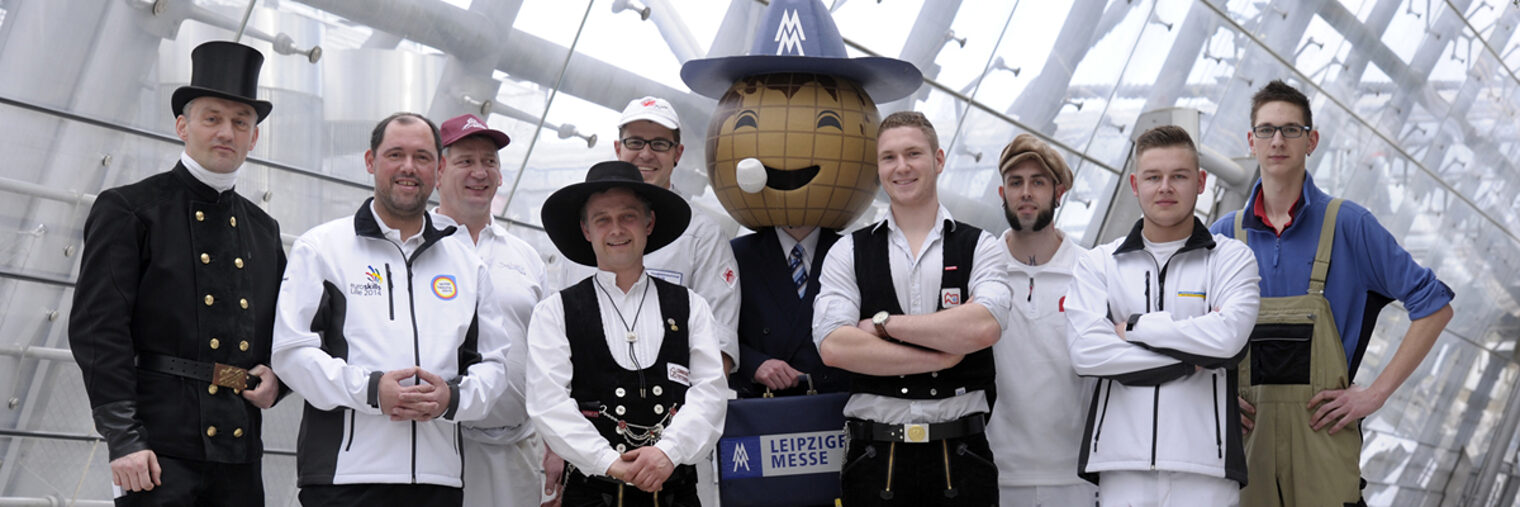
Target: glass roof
<point>1415,101</point>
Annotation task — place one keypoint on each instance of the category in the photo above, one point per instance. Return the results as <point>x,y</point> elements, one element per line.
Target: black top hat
<point>800,36</point>
<point>561,213</point>
<point>226,70</point>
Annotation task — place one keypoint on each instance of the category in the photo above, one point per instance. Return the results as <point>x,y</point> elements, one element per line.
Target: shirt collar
<point>395,234</point>
<point>608,280</point>
<point>217,181</point>
<point>442,221</point>
<point>941,217</point>
<point>809,242</point>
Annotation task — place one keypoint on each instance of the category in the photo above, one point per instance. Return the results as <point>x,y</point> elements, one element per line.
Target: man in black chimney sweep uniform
<point>644,398</point>
<point>175,304</point>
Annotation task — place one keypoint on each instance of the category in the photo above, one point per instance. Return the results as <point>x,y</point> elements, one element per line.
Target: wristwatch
<point>880,320</point>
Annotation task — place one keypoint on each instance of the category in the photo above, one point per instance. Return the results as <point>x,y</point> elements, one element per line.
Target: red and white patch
<point>1061,304</point>
<point>647,102</point>
<point>729,276</point>
<point>949,298</point>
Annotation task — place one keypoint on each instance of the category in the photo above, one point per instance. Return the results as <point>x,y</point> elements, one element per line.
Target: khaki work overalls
<point>1296,352</point>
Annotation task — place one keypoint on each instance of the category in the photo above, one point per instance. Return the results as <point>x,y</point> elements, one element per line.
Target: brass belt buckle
<point>915,433</point>
<point>226,375</point>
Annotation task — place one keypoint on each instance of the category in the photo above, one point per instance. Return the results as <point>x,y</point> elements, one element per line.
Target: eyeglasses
<point>1288,131</point>
<point>658,145</point>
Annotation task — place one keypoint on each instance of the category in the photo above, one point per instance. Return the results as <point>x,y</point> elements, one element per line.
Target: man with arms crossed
<point>1331,258</point>
<point>1160,316</point>
<point>644,398</point>
<point>175,303</point>
<point>911,305</point>
<point>1038,427</point>
<point>501,452</point>
<point>385,326</point>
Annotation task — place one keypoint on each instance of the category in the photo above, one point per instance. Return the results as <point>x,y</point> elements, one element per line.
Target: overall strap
<point>1322,253</point>
<point>1240,230</point>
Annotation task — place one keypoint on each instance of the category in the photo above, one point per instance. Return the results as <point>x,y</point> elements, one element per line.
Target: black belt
<point>224,375</point>
<point>915,433</point>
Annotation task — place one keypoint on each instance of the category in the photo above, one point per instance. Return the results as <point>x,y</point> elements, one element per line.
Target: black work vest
<point>614,398</point>
<point>873,275</point>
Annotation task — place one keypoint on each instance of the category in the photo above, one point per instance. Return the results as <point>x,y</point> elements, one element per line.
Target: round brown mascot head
<point>814,137</point>
<point>793,139</point>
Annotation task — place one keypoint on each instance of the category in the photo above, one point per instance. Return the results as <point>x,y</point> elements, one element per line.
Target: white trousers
<point>504,475</point>
<point>1166,489</point>
<point>1068,495</point>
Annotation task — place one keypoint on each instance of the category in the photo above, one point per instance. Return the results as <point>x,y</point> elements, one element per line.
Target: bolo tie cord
<point>632,337</point>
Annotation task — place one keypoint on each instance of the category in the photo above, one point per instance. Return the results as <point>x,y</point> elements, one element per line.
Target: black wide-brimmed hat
<point>800,36</point>
<point>561,213</point>
<point>225,70</point>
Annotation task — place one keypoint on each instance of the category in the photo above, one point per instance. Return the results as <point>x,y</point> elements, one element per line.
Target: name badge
<point>678,374</point>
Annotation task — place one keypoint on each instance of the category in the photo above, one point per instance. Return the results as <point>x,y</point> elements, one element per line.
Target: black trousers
<point>955,472</point>
<point>680,490</point>
<point>368,495</point>
<point>190,482</point>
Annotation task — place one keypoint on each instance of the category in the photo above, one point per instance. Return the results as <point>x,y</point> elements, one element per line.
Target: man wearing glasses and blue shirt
<point>1322,287</point>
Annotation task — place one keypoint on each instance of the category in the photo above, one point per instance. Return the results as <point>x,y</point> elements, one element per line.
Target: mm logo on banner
<point>781,454</point>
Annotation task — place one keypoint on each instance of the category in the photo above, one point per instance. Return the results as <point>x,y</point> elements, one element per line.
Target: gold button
<point>243,345</point>
<point>210,300</point>
<point>232,221</point>
<point>238,262</point>
<point>211,431</point>
<point>205,258</point>
<point>200,217</point>
<point>243,303</point>
<point>237,433</point>
<point>211,389</point>
<point>237,391</point>
<point>215,344</point>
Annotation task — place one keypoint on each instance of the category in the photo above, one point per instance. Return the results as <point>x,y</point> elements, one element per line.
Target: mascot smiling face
<point>793,140</point>
<point>815,138</point>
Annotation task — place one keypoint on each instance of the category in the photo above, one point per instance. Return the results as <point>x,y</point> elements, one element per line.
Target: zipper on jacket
<point>351,428</point>
<point>1218,439</point>
<point>1102,415</point>
<point>1161,284</point>
<point>390,289</point>
<point>1147,292</point>
<point>411,302</point>
<point>1155,423</point>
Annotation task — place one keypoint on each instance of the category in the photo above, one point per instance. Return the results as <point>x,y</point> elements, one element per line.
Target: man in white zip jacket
<point>1160,317</point>
<point>382,326</point>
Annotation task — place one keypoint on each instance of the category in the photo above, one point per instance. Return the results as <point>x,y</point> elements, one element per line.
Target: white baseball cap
<point>654,109</point>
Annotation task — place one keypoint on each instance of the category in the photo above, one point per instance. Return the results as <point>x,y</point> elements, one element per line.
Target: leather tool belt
<point>224,375</point>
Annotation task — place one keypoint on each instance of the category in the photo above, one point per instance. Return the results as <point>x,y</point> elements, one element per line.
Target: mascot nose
<point>751,175</point>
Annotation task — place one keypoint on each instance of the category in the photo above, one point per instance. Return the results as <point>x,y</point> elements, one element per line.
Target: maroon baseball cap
<point>466,125</point>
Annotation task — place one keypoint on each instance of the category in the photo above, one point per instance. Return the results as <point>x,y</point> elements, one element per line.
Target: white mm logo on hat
<point>789,34</point>
<point>470,122</point>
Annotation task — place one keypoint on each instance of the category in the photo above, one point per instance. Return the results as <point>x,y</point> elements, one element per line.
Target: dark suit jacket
<point>773,322</point>
<point>167,265</point>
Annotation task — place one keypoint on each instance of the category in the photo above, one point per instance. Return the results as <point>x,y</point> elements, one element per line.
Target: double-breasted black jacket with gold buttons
<point>173,267</point>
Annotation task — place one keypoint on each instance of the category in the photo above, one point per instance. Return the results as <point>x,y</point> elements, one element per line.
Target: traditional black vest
<point>630,408</point>
<point>873,275</point>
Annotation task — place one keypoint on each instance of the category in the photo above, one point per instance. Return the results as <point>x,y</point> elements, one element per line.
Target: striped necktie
<point>799,270</point>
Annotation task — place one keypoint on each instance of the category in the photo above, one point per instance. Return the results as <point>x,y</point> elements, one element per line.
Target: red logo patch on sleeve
<point>1061,304</point>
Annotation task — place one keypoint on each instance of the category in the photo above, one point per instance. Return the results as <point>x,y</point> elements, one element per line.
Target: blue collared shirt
<point>1368,267</point>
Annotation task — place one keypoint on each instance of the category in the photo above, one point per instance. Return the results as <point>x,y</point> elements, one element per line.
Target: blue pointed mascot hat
<point>800,36</point>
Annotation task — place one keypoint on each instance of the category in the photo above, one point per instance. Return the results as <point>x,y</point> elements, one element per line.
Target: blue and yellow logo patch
<point>1192,294</point>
